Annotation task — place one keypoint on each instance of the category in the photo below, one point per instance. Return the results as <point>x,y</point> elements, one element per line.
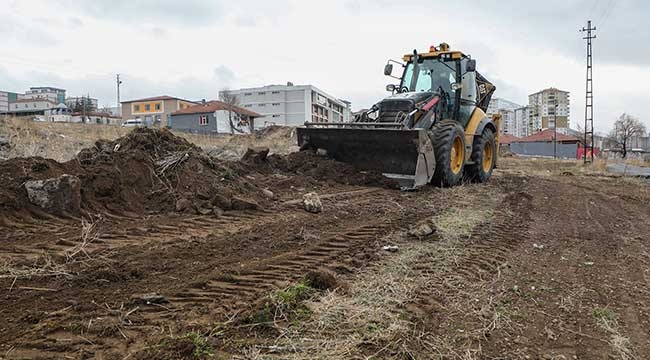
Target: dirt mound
<point>310,164</point>
<point>146,171</point>
<point>14,173</point>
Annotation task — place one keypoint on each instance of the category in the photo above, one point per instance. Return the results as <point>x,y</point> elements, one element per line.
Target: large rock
<point>183,204</point>
<point>223,202</point>
<point>423,229</point>
<point>57,195</point>
<point>244,204</point>
<point>256,155</point>
<point>311,202</point>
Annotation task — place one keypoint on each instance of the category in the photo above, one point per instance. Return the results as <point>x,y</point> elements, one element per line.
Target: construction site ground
<point>549,260</point>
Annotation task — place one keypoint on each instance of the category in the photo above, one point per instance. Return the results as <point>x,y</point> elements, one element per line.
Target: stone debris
<point>58,195</point>
<point>312,203</point>
<point>423,229</point>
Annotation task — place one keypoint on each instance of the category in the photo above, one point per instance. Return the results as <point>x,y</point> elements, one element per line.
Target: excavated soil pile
<point>146,171</point>
<point>312,165</point>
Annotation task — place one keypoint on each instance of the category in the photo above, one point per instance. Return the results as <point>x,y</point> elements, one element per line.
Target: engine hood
<point>413,96</point>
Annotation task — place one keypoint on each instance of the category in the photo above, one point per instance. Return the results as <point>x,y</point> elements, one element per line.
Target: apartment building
<point>6,97</point>
<point>154,110</point>
<point>35,101</point>
<point>497,104</point>
<point>52,94</point>
<point>507,110</point>
<point>521,122</point>
<point>545,107</point>
<point>38,106</point>
<point>292,105</point>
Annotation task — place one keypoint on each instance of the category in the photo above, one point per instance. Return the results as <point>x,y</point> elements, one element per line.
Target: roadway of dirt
<point>561,270</point>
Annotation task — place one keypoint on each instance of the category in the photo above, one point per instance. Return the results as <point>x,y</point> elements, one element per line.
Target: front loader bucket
<point>405,156</point>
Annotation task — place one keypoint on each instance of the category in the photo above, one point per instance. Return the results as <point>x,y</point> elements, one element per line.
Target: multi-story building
<point>35,101</point>
<point>507,110</point>
<point>154,110</point>
<point>508,125</point>
<point>522,119</point>
<point>6,97</point>
<point>292,105</point>
<point>548,108</point>
<point>52,94</point>
<point>497,104</point>
<point>37,106</point>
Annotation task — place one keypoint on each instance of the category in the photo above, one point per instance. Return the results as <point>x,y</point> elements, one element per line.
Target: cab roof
<point>442,51</point>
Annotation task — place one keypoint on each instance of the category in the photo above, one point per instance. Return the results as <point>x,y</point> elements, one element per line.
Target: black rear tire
<point>448,139</point>
<point>484,157</point>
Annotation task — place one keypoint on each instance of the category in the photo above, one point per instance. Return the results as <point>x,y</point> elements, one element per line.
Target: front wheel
<point>448,139</point>
<point>484,157</point>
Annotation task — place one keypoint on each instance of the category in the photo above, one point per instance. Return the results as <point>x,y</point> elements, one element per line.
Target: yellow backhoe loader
<point>432,129</point>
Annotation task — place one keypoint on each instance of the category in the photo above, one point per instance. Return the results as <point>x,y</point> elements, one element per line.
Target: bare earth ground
<point>547,261</point>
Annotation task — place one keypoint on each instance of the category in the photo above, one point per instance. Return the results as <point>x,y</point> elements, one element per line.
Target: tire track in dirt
<point>231,289</point>
<point>444,307</point>
<point>66,234</point>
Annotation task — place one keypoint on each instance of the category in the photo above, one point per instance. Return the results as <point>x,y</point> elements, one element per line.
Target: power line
<point>607,11</point>
<point>593,8</point>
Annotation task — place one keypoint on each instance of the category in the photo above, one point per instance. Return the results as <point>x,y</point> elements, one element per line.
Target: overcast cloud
<point>193,48</point>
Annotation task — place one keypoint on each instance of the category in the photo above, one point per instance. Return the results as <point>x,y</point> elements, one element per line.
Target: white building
<point>55,95</point>
<point>96,118</point>
<point>35,101</point>
<point>507,110</point>
<point>292,105</point>
<point>507,121</point>
<point>6,98</point>
<point>521,122</point>
<point>31,106</point>
<point>497,104</point>
<point>543,105</point>
<point>59,113</point>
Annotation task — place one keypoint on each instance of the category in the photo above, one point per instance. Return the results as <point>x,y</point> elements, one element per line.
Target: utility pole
<point>119,104</point>
<point>555,130</point>
<point>589,97</point>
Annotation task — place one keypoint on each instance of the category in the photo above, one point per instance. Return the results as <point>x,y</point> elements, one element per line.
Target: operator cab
<point>448,74</point>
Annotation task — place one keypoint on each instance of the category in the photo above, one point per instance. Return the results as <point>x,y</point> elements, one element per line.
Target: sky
<point>194,48</point>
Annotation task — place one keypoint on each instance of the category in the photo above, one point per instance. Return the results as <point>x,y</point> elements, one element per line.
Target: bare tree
<point>231,100</point>
<point>625,128</point>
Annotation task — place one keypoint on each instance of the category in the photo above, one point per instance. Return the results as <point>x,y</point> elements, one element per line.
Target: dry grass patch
<point>608,321</point>
<point>62,141</point>
<point>58,141</point>
<point>370,319</point>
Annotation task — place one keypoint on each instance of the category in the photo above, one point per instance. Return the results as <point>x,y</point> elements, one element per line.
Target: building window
<point>203,120</point>
<point>261,105</point>
<point>147,107</point>
<point>276,104</point>
<point>248,105</point>
<point>276,116</point>
<point>158,106</point>
<point>136,108</point>
<point>248,94</point>
<point>261,93</point>
<point>275,92</point>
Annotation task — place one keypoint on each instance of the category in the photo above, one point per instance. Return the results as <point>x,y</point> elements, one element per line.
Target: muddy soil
<point>560,271</point>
